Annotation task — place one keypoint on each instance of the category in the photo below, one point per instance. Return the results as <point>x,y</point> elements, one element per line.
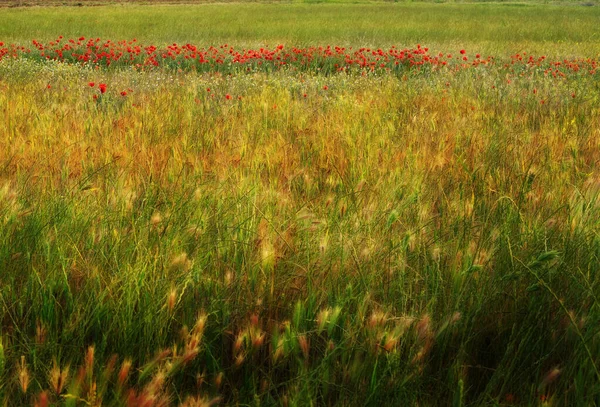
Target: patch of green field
<point>491,28</point>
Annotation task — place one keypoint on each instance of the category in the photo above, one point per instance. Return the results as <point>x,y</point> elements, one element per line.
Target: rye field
<point>300,204</point>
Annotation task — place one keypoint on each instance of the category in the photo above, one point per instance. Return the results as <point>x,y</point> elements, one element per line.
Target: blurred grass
<point>379,241</point>
<point>429,239</point>
<point>491,28</point>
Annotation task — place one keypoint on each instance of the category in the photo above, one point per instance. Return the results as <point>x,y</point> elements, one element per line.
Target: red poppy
<point>228,96</point>
<point>124,93</point>
<point>462,51</point>
<point>325,87</point>
<point>102,87</point>
<point>92,84</point>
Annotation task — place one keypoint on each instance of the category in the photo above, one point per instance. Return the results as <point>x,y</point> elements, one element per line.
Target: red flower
<point>208,89</point>
<point>102,87</point>
<point>92,84</point>
<point>325,87</point>
<point>478,56</point>
<point>462,51</point>
<point>124,93</point>
<point>228,96</point>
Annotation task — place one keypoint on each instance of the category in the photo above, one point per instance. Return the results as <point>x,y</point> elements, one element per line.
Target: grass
<point>492,28</point>
<point>313,239</point>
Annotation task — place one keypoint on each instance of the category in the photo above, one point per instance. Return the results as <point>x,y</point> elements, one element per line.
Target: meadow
<point>300,204</point>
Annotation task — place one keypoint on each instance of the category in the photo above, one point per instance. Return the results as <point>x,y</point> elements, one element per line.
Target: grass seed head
<point>123,372</point>
<point>171,299</point>
<point>181,263</point>
<point>23,375</point>
<point>58,377</point>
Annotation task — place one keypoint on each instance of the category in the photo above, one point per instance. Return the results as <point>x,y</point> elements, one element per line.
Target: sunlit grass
<point>362,243</point>
<point>567,30</point>
<point>297,238</point>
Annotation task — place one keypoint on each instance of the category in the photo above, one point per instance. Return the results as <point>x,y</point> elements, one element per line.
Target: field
<point>300,204</point>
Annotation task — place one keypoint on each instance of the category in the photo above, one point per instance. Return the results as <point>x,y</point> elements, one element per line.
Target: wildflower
<point>102,87</point>
<point>463,52</point>
<point>91,84</point>
<point>325,87</point>
<point>228,96</point>
<point>124,93</point>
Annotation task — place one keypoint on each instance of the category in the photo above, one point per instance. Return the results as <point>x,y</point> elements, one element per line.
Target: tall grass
<point>324,240</point>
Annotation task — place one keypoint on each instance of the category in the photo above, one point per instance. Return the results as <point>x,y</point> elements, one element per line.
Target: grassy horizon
<point>491,28</point>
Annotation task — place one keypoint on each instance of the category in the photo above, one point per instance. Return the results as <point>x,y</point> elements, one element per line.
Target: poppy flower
<point>462,51</point>
<point>228,96</point>
<point>124,93</point>
<point>92,84</point>
<point>102,87</point>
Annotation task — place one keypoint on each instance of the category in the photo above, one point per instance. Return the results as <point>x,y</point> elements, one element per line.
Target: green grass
<point>429,238</point>
<point>492,28</point>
